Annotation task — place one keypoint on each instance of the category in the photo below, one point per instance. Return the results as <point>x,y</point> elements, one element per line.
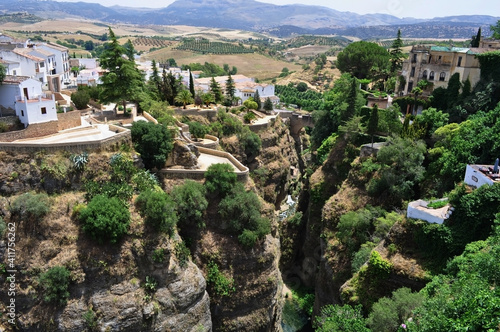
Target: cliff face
<point>108,283</point>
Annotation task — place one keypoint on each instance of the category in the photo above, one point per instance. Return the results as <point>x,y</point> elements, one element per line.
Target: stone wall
<point>210,114</point>
<point>108,144</point>
<point>69,120</point>
<point>32,131</point>
<point>9,120</point>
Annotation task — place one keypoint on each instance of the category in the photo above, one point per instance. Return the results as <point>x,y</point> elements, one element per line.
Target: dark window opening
<point>44,110</point>
<point>459,61</point>
<point>431,76</point>
<point>442,76</point>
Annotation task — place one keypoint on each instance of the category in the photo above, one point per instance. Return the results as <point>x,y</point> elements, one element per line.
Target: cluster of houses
<point>37,72</point>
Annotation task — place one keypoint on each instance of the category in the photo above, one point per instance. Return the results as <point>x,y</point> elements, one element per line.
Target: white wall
<point>8,93</point>
<point>413,212</point>
<point>475,178</point>
<point>32,111</point>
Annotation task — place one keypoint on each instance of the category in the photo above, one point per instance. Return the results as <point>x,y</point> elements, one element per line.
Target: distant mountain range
<point>257,16</point>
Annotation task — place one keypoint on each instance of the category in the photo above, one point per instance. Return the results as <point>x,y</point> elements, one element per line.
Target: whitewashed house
<point>61,65</point>
<point>479,175</point>
<point>25,96</point>
<point>30,65</point>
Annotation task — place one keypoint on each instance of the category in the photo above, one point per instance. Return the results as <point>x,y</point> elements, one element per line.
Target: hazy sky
<point>399,8</point>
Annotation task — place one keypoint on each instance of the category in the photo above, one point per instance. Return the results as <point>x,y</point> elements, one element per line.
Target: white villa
<point>24,95</point>
<point>479,175</point>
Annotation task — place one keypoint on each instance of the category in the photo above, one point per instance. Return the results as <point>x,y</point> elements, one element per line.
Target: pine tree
<point>256,98</point>
<point>191,84</point>
<point>397,54</point>
<point>268,104</point>
<point>122,81</point>
<point>216,90</point>
<point>129,50</point>
<point>230,87</point>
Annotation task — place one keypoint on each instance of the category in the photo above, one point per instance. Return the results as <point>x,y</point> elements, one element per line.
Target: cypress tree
<point>216,90</point>
<point>373,122</point>
<point>191,84</point>
<point>351,100</point>
<point>230,87</point>
<point>256,98</point>
<point>475,40</point>
<point>397,55</point>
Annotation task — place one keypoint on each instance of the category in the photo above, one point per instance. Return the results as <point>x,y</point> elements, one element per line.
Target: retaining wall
<point>69,120</point>
<point>108,144</point>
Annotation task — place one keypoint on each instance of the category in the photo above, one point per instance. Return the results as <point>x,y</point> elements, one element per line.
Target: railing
<point>35,97</point>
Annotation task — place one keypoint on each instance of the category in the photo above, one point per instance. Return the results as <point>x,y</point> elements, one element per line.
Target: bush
<point>105,218</point>
<point>158,255</point>
<point>249,117</point>
<point>220,178</point>
<point>388,313</point>
<point>250,142</point>
<point>218,282</point>
<point>361,256</point>
<point>55,284</point>
<point>340,318</point>
<point>182,253</point>
<point>122,191</point>
<point>190,202</point>
<point>81,99</point>
<point>158,209</point>
<point>144,180</point>
<point>153,142</point>
<point>4,127</point>
<point>31,206</point>
<point>198,130</point>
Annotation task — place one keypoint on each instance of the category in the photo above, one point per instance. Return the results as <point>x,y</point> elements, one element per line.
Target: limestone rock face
<point>185,155</point>
<point>180,303</point>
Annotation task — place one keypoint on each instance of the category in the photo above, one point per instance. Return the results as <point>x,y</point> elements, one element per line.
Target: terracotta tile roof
<point>25,53</point>
<point>11,79</point>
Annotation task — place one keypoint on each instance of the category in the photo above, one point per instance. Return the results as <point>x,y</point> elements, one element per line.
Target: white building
<point>25,96</point>
<point>245,87</point>
<point>61,67</point>
<point>29,65</point>
<point>478,175</point>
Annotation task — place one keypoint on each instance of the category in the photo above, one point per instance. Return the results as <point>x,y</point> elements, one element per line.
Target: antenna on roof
<point>495,168</point>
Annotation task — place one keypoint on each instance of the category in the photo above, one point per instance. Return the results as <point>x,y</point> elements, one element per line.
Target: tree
<point>153,142</point>
<point>340,318</point>
<point>155,80</point>
<point>388,313</point>
<point>401,169</point>
<point>105,218</point>
<point>159,210</point>
<point>230,87</point>
<point>250,104</point>
<point>268,105</point>
<point>396,54</point>
<point>373,122</point>
<point>3,72</point>
<point>476,39</point>
<point>190,202</point>
<point>364,60</point>
<point>191,84</point>
<point>89,45</point>
<point>216,91</point>
<point>129,50</point>
<point>495,29</point>
<point>256,98</point>
<point>122,80</point>
<point>351,101</point>
<point>55,284</point>
<point>81,99</point>
<point>185,97</point>
<point>220,178</point>
<point>302,87</point>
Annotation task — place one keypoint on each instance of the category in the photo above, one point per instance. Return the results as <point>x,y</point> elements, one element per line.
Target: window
<point>424,75</point>
<point>414,58</point>
<point>412,73</point>
<point>410,86</point>
<point>459,61</point>
<point>442,76</point>
<point>14,72</point>
<point>431,76</point>
<point>22,113</point>
<point>42,64</point>
<point>44,110</point>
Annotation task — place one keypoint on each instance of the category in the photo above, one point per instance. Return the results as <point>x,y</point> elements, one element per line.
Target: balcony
<point>34,99</point>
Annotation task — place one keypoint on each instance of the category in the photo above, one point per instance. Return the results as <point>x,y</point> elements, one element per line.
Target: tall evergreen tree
<point>122,81</point>
<point>256,98</point>
<point>373,122</point>
<point>268,104</point>
<point>230,87</point>
<point>453,90</point>
<point>216,90</point>
<point>476,39</point>
<point>397,55</point>
<point>191,84</point>
<point>129,50</point>
<point>351,100</point>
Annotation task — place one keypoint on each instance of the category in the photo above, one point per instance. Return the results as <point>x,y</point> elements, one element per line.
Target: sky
<point>399,8</point>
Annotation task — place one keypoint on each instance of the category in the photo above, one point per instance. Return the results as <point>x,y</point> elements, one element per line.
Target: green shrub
<point>150,284</point>
<point>158,209</point>
<point>31,206</point>
<point>197,129</point>
<point>340,318</point>
<point>122,191</point>
<point>190,203</point>
<point>217,282</point>
<point>249,116</point>
<point>388,313</point>
<point>4,127</point>
<point>378,268</point>
<point>250,142</point>
<point>437,204</point>
<point>159,255</point>
<point>81,99</point>
<point>220,178</point>
<point>80,160</point>
<point>361,256</point>
<point>105,218</point>
<point>182,253</point>
<point>90,319</point>
<point>55,284</point>
<point>153,142</point>
<point>144,180</point>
